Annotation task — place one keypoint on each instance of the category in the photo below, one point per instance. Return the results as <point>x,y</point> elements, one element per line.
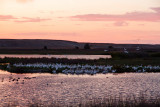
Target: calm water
<point>71,89</point>
<point>59,56</point>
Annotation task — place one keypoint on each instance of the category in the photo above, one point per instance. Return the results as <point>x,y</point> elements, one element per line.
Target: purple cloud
<point>132,16</point>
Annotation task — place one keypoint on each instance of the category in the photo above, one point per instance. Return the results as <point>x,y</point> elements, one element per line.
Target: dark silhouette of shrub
<point>45,48</point>
<point>76,47</point>
<point>110,47</point>
<point>87,46</point>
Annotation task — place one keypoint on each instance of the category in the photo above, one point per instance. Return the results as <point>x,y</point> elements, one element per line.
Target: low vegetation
<point>46,51</point>
<point>130,101</point>
<point>120,62</point>
<point>76,68</point>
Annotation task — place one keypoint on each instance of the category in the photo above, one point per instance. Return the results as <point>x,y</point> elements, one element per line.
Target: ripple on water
<point>71,89</point>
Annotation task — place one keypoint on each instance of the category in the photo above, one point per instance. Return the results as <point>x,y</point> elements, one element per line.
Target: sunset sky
<point>105,21</point>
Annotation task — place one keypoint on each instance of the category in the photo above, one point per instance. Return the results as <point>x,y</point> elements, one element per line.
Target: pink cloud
<point>132,16</point>
<point>121,23</point>
<point>157,9</point>
<point>27,19</point>
<point>23,19</point>
<point>6,17</point>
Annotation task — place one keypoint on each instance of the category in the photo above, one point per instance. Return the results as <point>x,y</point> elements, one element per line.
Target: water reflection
<point>59,56</point>
<point>4,72</point>
<point>71,89</point>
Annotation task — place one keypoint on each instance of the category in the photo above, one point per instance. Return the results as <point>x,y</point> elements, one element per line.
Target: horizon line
<point>80,42</point>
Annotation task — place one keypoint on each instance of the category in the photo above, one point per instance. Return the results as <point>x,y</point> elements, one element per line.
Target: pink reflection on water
<point>59,56</point>
<point>71,89</point>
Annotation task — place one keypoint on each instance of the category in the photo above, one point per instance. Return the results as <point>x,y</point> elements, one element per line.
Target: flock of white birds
<point>84,69</point>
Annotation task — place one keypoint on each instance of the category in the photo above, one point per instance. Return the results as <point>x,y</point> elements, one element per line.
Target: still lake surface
<point>57,56</point>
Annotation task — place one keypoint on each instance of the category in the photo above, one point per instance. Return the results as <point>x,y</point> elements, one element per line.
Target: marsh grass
<point>131,101</point>
<point>129,55</point>
<point>47,60</point>
<point>53,51</point>
<point>157,54</point>
<point>112,61</point>
<point>29,70</point>
<point>118,62</point>
<point>81,69</point>
<point>70,69</point>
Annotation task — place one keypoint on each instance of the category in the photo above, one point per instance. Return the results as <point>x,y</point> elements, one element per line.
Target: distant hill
<point>62,44</point>
<point>36,44</point>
